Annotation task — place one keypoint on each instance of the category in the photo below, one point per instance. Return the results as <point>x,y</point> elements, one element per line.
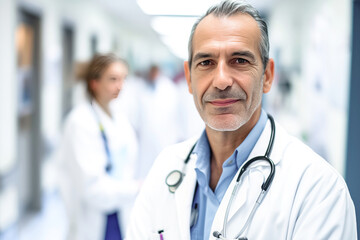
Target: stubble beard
<point>233,124</point>
<point>237,121</point>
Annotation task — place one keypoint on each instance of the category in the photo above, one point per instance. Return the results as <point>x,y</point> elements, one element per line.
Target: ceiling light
<point>180,8</point>
<point>174,32</point>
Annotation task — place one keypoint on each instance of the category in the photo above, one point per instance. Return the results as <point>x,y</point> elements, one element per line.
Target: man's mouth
<point>223,102</point>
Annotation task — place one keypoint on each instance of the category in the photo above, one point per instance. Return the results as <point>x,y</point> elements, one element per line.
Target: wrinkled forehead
<point>239,28</point>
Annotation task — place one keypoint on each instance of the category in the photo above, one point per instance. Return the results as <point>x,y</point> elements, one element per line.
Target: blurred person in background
<point>152,106</point>
<point>96,156</point>
<point>191,122</point>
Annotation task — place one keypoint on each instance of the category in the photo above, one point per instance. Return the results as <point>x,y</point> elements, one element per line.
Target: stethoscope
<point>175,177</point>
<point>108,167</point>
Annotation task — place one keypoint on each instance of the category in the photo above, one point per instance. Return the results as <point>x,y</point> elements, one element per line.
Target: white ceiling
<point>172,19</point>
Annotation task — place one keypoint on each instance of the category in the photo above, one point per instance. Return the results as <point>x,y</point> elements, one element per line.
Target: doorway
<point>28,111</point>
<point>68,68</point>
<point>353,164</point>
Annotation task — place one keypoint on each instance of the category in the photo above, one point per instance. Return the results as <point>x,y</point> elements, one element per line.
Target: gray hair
<point>229,8</point>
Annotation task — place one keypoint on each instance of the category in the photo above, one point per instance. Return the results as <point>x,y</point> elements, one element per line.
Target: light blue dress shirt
<point>205,199</point>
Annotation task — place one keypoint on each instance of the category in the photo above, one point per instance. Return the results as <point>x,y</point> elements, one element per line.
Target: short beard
<point>235,126</point>
<point>238,122</point>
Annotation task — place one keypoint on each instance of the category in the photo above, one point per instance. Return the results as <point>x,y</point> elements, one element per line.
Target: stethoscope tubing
<point>174,183</point>
<point>264,187</point>
<point>105,140</point>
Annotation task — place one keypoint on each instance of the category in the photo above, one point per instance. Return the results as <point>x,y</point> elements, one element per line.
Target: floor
<point>49,223</point>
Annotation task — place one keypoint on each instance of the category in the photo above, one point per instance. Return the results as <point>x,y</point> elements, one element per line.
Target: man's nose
<point>222,78</point>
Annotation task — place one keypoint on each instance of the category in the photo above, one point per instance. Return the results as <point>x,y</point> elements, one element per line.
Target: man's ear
<point>268,76</point>
<point>187,75</point>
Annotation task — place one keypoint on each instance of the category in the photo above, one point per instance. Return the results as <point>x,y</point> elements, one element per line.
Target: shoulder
<point>315,166</point>
<point>80,117</point>
<point>78,110</point>
<point>313,191</point>
<point>305,181</point>
<point>179,150</point>
<point>305,164</point>
<point>172,157</point>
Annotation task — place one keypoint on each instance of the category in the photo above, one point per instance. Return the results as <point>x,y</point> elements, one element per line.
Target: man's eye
<point>205,63</point>
<point>241,61</point>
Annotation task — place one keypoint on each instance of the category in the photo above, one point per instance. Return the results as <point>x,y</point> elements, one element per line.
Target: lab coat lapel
<point>184,197</point>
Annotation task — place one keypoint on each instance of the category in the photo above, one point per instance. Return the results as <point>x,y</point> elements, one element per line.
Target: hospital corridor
<point>52,111</point>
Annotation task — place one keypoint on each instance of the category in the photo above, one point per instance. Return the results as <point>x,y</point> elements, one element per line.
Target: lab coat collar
<point>184,196</point>
<point>263,142</point>
<point>101,115</point>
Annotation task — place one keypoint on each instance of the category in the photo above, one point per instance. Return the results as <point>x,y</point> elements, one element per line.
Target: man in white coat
<point>242,152</point>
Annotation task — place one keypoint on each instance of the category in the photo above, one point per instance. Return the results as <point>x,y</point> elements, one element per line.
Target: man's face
<point>227,75</point>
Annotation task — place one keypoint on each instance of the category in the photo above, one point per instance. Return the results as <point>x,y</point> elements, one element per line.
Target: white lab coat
<point>89,193</point>
<point>308,199</point>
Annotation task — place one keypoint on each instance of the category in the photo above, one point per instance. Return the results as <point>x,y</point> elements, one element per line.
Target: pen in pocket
<point>161,234</point>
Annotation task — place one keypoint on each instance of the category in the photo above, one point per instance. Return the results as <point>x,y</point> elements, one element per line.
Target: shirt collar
<point>241,153</point>
<point>100,114</point>
<point>202,168</point>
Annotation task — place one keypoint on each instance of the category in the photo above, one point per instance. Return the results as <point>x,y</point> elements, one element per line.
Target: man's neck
<point>223,145</point>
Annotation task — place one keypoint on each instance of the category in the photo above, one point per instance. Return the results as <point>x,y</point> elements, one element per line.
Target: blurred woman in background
<point>97,154</point>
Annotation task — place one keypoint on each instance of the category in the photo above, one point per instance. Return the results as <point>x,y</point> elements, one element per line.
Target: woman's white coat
<point>88,191</point>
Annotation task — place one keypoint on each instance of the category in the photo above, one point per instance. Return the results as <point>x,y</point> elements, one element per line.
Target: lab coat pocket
<point>158,235</point>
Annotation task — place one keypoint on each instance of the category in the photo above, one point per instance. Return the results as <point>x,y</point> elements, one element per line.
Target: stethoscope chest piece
<point>173,180</point>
